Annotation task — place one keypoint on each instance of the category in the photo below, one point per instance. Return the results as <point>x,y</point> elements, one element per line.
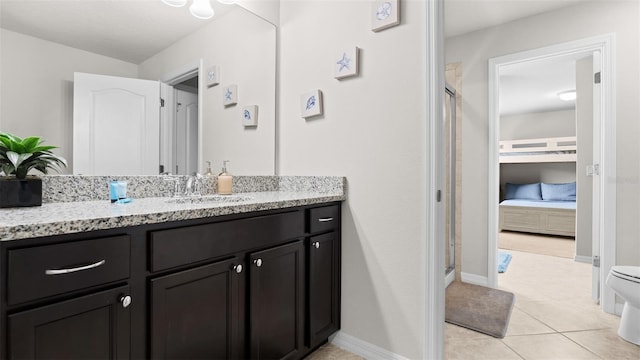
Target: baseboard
<point>475,279</point>
<point>449,278</point>
<point>363,348</point>
<point>582,259</point>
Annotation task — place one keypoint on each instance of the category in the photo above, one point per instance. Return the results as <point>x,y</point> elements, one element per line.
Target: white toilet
<point>625,281</point>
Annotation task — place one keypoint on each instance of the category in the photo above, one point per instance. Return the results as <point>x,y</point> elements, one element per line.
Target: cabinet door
<point>95,326</point>
<point>276,293</point>
<point>197,313</point>
<point>324,287</point>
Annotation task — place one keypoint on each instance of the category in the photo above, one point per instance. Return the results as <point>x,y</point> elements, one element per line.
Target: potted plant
<point>18,157</point>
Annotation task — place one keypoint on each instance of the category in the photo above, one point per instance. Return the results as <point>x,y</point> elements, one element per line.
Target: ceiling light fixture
<point>568,95</point>
<point>199,8</point>
<point>175,3</point>
<point>227,2</point>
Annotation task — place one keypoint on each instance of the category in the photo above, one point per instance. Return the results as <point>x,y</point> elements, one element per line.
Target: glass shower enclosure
<point>450,183</point>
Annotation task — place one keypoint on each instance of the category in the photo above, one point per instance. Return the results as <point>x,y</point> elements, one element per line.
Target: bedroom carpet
<point>537,244</point>
<point>479,308</point>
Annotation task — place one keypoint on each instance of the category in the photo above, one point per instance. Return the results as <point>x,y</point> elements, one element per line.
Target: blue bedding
<point>541,203</point>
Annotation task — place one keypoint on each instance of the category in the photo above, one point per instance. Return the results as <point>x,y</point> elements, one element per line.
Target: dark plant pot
<point>19,193</point>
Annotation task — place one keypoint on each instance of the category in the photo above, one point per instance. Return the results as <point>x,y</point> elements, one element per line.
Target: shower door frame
<point>450,271</point>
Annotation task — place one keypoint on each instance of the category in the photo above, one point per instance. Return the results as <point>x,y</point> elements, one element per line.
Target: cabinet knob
<point>125,300</point>
<point>258,262</point>
<point>238,268</point>
<point>316,244</point>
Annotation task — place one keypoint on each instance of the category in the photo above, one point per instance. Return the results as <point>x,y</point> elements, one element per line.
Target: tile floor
<point>553,318</point>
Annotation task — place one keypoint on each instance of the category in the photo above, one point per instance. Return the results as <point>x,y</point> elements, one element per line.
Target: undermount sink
<point>208,199</point>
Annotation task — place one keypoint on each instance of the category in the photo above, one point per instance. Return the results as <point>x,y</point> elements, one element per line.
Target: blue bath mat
<point>504,258</point>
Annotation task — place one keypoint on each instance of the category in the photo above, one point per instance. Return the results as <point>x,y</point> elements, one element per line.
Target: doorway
<point>603,153</point>
<point>181,121</point>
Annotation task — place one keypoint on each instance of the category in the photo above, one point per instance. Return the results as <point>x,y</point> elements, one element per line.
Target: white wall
<point>373,131</point>
<point>246,57</point>
<point>570,23</point>
<point>540,172</point>
<point>538,125</point>
<point>37,87</point>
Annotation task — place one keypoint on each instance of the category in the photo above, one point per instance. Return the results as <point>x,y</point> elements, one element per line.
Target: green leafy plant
<point>18,156</point>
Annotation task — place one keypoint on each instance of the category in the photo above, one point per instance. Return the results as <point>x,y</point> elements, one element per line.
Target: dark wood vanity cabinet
<point>264,285</point>
<point>196,313</point>
<point>94,326</point>
<point>276,298</point>
<point>323,283</point>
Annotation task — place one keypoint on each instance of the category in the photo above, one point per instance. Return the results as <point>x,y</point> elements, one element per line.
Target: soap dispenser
<point>225,181</point>
<point>209,172</point>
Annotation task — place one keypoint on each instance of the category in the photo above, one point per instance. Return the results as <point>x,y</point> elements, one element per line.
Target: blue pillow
<point>561,192</point>
<point>523,191</point>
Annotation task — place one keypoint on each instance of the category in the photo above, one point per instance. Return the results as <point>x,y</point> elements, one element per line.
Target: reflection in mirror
<point>40,52</point>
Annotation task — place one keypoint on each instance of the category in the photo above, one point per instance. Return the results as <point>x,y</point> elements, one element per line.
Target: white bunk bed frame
<point>560,149</point>
<point>538,220</point>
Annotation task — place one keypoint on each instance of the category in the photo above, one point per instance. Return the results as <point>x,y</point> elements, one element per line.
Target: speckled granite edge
<point>68,188</point>
<point>313,183</point>
<point>65,218</point>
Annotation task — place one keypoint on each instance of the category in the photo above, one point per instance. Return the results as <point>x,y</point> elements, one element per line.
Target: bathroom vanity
<point>257,276</point>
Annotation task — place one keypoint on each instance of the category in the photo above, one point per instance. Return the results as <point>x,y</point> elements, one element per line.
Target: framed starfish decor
<point>346,63</point>
<point>311,104</point>
<point>384,14</point>
<point>213,75</point>
<point>230,95</point>
<point>250,116</point>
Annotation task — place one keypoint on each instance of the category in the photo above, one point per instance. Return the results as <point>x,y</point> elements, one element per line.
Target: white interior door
<point>115,125</point>
<point>186,132</point>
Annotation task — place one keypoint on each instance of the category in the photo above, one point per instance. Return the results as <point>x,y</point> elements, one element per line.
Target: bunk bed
<point>560,149</point>
<point>539,207</point>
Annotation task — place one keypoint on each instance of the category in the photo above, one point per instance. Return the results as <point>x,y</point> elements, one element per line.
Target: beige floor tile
<point>522,323</point>
<point>606,343</point>
<point>563,316</point>
<point>547,346</point>
<point>332,352</point>
<point>478,349</point>
<point>458,332</point>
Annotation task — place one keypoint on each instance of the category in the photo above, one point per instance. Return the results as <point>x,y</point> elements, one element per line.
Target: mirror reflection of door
<point>115,125</point>
<point>186,127</point>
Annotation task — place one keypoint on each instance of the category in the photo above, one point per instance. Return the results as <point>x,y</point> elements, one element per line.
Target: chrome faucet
<point>176,184</point>
<point>193,185</point>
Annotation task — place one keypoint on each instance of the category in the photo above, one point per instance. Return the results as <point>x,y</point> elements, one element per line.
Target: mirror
<point>37,73</point>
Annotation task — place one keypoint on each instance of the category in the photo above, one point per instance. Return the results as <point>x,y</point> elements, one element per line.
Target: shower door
<point>450,182</point>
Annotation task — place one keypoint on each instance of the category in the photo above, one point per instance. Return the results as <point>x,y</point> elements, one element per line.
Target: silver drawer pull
<point>325,219</point>
<point>80,268</point>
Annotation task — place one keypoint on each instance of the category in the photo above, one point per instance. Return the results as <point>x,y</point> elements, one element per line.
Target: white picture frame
<point>250,116</point>
<point>346,63</point>
<point>212,75</point>
<point>230,95</point>
<point>384,14</point>
<point>311,104</point>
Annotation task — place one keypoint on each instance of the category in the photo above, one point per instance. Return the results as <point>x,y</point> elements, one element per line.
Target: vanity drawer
<point>186,245</point>
<point>324,218</point>
<point>43,271</point>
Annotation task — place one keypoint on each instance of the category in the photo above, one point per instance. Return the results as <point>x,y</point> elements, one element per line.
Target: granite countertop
<point>80,216</point>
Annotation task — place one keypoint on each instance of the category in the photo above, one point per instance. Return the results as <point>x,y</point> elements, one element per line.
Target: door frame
<point>604,127</point>
<point>433,251</point>
<point>195,68</point>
